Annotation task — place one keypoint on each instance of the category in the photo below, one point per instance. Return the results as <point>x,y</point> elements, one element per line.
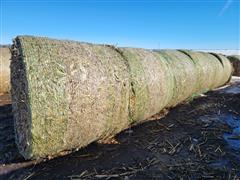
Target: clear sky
<point>190,24</point>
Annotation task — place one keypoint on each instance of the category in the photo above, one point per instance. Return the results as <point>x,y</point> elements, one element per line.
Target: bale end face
<point>20,101</point>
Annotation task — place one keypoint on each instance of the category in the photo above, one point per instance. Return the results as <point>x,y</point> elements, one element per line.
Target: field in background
<point>222,51</point>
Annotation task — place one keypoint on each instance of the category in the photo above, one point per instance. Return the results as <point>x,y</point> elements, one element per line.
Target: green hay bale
<point>218,70</point>
<point>214,70</point>
<point>227,70</point>
<point>235,60</point>
<point>205,70</point>
<point>150,78</point>
<point>184,75</point>
<point>66,94</point>
<point>5,56</point>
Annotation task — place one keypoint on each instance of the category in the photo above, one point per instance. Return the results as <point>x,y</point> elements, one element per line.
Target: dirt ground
<point>195,140</point>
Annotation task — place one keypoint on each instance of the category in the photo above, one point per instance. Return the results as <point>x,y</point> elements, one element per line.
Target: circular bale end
<point>20,101</point>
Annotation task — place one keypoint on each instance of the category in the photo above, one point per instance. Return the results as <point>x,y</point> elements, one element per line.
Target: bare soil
<point>194,140</point>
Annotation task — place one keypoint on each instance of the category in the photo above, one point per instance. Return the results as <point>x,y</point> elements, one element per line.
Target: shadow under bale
<point>8,148</point>
<point>188,142</point>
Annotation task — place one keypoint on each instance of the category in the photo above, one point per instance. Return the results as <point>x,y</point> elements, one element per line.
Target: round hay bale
<point>212,72</point>
<point>66,94</point>
<point>184,73</point>
<point>151,83</point>
<point>5,70</point>
<point>235,60</point>
<point>205,69</point>
<point>227,70</point>
<point>218,70</point>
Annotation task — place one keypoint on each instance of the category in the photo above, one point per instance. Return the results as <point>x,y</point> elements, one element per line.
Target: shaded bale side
<point>235,61</point>
<point>151,83</point>
<point>184,73</point>
<point>5,56</point>
<point>66,94</point>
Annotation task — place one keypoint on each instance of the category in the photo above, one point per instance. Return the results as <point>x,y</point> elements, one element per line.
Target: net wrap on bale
<point>213,70</point>
<point>68,94</point>
<point>146,69</point>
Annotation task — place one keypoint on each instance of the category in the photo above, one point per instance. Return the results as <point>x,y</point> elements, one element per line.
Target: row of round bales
<point>67,94</point>
<point>5,67</point>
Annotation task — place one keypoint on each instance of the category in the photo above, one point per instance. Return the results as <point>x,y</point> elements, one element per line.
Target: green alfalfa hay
<point>210,71</point>
<point>66,95</point>
<point>213,73</point>
<point>5,56</point>
<point>218,71</point>
<point>150,77</point>
<point>235,61</point>
<point>69,94</point>
<point>227,69</point>
<point>184,74</point>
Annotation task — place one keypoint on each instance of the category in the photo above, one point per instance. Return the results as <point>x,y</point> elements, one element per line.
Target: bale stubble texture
<point>5,56</point>
<point>235,60</point>
<point>68,94</point>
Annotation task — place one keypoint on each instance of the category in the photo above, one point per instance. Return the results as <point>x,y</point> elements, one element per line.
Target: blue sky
<point>196,24</point>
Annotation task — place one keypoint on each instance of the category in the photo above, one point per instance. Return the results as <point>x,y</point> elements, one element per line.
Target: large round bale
<point>218,70</point>
<point>66,94</point>
<point>5,56</point>
<point>206,72</point>
<point>184,73</point>
<point>235,60</point>
<point>223,73</point>
<point>151,82</point>
<point>213,70</point>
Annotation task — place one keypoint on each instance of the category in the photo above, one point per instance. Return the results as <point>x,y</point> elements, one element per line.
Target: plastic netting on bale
<point>150,77</point>
<point>227,69</point>
<point>235,60</point>
<point>68,94</point>
<point>184,75</point>
<point>214,70</point>
<point>4,70</point>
